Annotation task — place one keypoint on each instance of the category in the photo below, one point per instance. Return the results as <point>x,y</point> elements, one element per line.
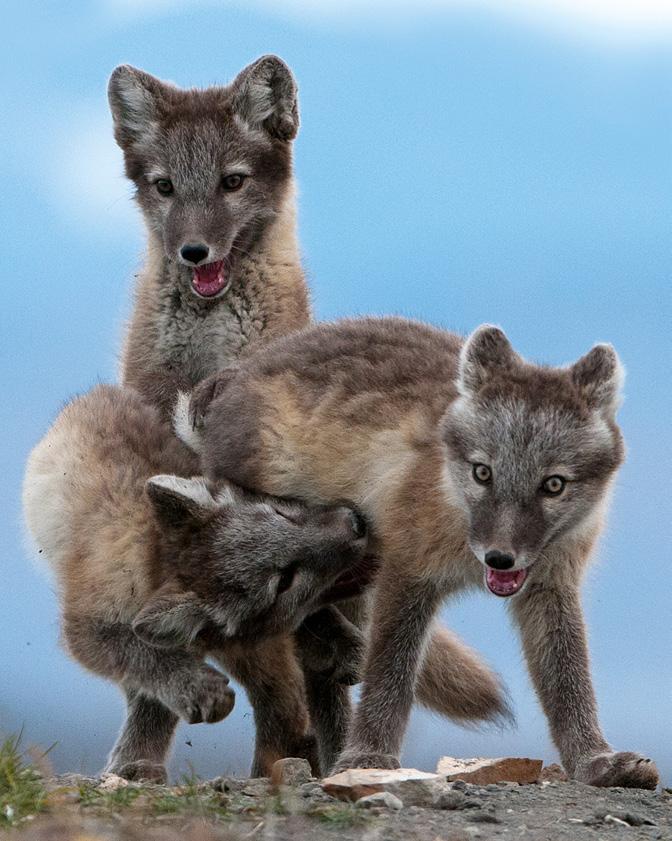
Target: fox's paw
<point>354,759</point>
<point>331,647</point>
<point>624,769</point>
<point>349,652</point>
<point>207,698</point>
<point>141,769</point>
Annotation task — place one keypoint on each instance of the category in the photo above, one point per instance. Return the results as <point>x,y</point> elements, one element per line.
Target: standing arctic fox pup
<point>155,572</point>
<point>473,467</point>
<point>213,175</point>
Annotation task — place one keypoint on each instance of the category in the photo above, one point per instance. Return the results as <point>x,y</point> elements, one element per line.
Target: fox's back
<point>331,410</point>
<point>84,498</point>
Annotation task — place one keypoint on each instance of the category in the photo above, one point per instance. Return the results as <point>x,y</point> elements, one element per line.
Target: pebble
<point>291,771</point>
<point>618,821</point>
<point>450,800</point>
<point>484,817</point>
<point>382,799</point>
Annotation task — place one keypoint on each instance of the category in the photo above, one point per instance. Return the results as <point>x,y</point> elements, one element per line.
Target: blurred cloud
<point>86,175</point>
<point>625,18</point>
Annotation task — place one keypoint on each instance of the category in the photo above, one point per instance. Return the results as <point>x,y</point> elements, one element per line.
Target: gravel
<point>227,809</point>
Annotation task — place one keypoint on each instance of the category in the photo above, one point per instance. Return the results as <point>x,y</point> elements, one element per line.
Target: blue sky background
<point>458,164</point>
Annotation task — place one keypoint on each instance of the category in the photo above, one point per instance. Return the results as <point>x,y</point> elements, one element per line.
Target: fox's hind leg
<point>144,741</point>
<point>331,650</point>
<point>272,678</point>
<point>554,640</point>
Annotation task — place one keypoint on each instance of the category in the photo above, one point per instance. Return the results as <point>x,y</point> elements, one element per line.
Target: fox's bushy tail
<point>455,682</point>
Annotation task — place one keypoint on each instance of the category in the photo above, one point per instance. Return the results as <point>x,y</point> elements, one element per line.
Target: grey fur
<point>453,449</point>
<point>156,572</point>
<point>194,139</point>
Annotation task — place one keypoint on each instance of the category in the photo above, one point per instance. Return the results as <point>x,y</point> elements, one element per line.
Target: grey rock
<point>450,800</point>
<point>382,799</point>
<point>634,819</point>
<point>630,818</point>
<point>484,817</point>
<point>291,771</point>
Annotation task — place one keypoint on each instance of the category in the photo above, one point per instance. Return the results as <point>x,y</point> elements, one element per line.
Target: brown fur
<point>193,138</point>
<point>155,573</point>
<point>379,412</point>
<point>176,338</point>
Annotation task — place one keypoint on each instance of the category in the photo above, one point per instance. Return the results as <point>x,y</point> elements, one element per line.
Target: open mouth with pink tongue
<point>210,280</point>
<point>505,582</point>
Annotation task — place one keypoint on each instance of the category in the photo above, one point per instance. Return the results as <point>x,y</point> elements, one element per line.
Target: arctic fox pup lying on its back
<point>155,572</point>
<point>473,467</point>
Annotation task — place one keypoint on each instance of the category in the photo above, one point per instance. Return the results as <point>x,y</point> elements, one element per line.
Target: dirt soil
<point>78,809</point>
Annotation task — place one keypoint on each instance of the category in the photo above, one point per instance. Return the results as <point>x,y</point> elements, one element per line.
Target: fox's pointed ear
<point>134,98</point>
<point>265,96</point>
<point>599,377</point>
<point>170,619</point>
<point>178,501</point>
<point>485,352</point>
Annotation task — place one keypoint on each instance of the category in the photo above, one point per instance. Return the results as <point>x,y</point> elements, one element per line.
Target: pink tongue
<point>210,279</point>
<point>505,583</point>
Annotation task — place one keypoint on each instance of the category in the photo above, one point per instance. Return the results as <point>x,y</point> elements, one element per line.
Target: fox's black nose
<point>194,252</point>
<point>358,524</point>
<point>499,560</point>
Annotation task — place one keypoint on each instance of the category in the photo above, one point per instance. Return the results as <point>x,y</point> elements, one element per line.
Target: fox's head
<point>243,566</point>
<point>531,450</point>
<point>211,167</point>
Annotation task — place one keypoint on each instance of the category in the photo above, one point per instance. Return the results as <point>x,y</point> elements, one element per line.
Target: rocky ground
<point>73,808</point>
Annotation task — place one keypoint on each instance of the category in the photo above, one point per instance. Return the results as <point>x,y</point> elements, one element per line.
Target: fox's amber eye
<point>481,473</point>
<point>164,186</point>
<point>233,182</point>
<point>553,486</point>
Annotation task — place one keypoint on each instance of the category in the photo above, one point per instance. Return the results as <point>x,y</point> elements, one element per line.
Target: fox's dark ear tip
<point>486,341</point>
<point>272,60</point>
<point>487,331</point>
<point>120,72</point>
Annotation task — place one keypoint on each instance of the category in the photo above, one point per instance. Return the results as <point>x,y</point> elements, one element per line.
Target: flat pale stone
<point>482,771</point>
<point>413,787</point>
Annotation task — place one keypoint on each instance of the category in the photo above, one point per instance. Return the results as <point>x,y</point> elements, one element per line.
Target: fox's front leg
<point>554,639</point>
<point>402,613</point>
<point>176,677</point>
<point>144,741</point>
